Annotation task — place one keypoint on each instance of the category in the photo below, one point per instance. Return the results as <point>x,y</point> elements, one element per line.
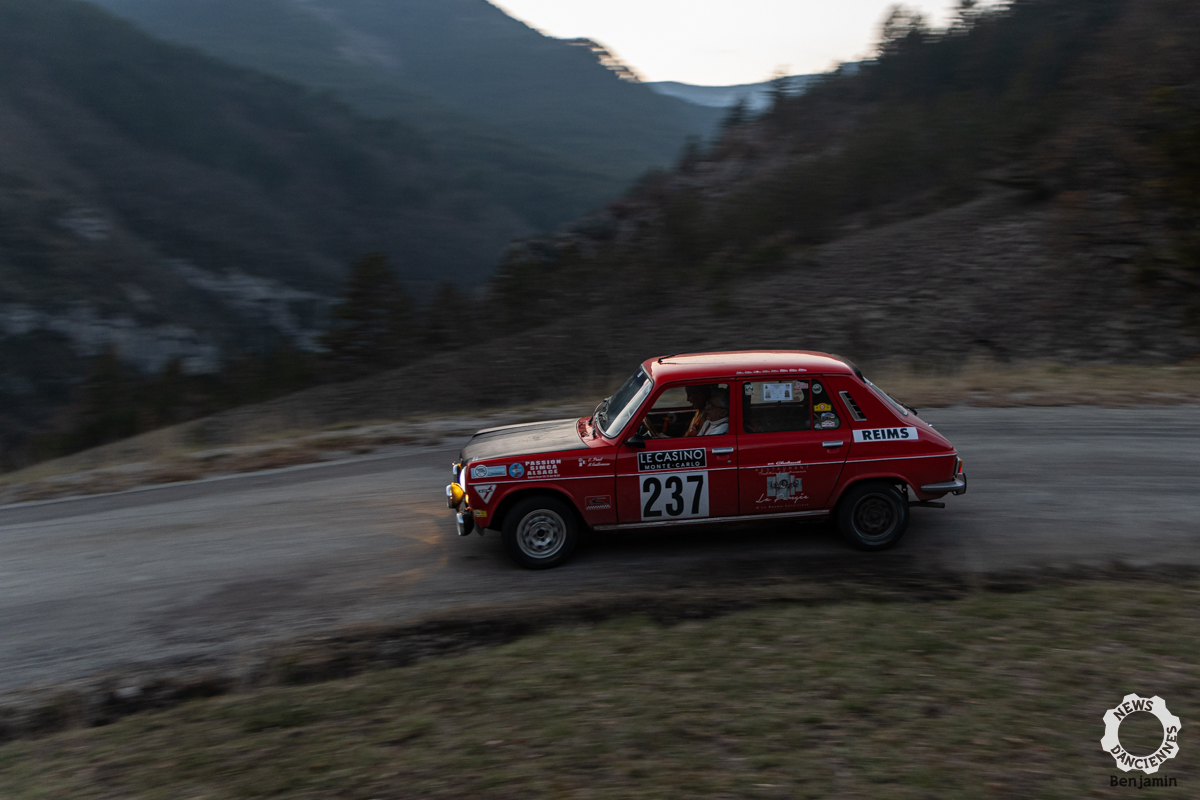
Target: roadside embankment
<point>345,420</point>
<point>959,690</point>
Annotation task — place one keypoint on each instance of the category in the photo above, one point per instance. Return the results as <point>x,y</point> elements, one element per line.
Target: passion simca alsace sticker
<point>886,435</point>
<point>543,467</point>
<point>658,460</point>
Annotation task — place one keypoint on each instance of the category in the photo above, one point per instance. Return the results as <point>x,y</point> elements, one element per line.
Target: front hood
<point>523,440</point>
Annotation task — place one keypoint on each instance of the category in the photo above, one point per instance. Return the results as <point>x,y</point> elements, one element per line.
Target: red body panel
<point>741,473</point>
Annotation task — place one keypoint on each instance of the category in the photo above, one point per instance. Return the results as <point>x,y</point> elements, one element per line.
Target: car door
<point>792,445</point>
<point>680,479</point>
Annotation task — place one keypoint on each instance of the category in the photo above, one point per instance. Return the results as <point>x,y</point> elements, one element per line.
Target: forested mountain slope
<point>154,198</point>
<point>1022,185</point>
<point>457,69</point>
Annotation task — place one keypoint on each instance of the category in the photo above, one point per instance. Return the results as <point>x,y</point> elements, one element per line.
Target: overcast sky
<point>721,42</point>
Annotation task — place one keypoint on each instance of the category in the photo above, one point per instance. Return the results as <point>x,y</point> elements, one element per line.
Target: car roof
<point>704,366</point>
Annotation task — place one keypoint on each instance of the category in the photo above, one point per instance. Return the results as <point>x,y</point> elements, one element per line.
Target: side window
<point>671,399</point>
<point>825,415</point>
<point>683,411</point>
<point>777,406</point>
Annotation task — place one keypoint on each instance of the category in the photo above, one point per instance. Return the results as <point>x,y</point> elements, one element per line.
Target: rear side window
<point>825,415</point>
<point>776,406</point>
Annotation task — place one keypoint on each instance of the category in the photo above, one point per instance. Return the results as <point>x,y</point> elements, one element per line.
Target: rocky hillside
<point>1023,185</point>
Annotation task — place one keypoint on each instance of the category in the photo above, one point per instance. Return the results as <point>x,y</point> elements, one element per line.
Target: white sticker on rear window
<point>777,392</point>
<point>886,435</point>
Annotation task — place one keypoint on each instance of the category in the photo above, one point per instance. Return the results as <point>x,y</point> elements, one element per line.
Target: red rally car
<point>708,438</point>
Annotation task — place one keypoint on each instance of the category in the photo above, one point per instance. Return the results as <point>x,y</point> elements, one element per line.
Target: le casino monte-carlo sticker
<point>660,460</point>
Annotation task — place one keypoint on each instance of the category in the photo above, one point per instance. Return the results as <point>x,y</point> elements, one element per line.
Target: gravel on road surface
<point>205,571</point>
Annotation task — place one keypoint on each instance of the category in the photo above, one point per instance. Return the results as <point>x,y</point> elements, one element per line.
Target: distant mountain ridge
<point>438,63</point>
<point>755,96</point>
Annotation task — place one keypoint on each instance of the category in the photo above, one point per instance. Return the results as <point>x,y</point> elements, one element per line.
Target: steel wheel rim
<point>541,534</point>
<point>875,518</point>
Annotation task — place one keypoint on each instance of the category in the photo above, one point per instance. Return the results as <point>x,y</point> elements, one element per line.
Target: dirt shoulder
<point>301,430</point>
<point>964,693</point>
<point>179,453</point>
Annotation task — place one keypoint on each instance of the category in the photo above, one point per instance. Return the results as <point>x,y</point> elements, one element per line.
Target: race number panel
<point>675,495</point>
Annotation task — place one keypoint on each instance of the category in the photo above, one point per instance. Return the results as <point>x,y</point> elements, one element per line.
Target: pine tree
<point>738,115</point>
<point>448,320</point>
<point>372,326</point>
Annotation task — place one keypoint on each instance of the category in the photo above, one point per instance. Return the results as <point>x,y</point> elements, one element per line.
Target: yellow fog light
<point>455,495</point>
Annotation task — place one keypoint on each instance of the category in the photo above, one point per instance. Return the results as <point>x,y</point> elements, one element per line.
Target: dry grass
<point>175,454</point>
<point>180,454</point>
<point>994,385</point>
<point>995,695</point>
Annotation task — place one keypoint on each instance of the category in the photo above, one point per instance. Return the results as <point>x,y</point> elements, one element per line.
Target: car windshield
<point>614,413</point>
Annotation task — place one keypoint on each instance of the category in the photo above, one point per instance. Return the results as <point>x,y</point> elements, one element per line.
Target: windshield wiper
<point>598,417</point>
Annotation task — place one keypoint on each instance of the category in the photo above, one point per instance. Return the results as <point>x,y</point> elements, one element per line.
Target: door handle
<point>722,451</point>
<point>825,444</point>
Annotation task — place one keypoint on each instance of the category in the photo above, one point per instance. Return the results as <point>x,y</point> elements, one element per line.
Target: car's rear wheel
<point>540,532</point>
<point>873,516</point>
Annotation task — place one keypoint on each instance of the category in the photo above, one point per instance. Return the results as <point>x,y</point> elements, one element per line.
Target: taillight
<point>958,468</point>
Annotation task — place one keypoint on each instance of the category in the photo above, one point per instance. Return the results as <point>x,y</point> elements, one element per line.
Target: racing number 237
<point>676,496</point>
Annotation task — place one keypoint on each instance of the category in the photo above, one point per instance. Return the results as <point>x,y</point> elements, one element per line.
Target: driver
<point>717,412</point>
<point>697,398</point>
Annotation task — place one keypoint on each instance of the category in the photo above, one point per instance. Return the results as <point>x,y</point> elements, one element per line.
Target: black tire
<point>873,516</point>
<point>540,532</point>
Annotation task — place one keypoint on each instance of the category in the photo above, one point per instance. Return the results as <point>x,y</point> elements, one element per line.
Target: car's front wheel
<point>873,516</point>
<point>540,532</point>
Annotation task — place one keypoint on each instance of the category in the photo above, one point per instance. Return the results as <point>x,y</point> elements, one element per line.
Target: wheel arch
<point>894,478</point>
<point>525,492</point>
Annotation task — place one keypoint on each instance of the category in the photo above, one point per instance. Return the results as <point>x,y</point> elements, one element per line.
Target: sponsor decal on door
<point>655,460</point>
<point>782,488</point>
<point>886,435</point>
<point>679,495</point>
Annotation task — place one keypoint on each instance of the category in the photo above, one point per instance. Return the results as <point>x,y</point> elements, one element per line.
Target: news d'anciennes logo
<point>1126,760</point>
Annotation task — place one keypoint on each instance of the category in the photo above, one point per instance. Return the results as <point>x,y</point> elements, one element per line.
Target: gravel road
<point>210,569</point>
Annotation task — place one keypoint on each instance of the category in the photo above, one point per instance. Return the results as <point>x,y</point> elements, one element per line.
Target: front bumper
<point>458,501</point>
<point>956,487</point>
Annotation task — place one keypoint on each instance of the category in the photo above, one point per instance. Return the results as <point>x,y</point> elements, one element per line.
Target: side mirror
<point>636,442</point>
